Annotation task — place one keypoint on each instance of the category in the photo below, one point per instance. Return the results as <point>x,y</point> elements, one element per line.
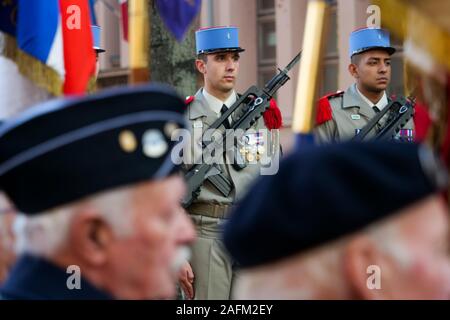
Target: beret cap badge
<point>154,144</point>
<point>127,141</point>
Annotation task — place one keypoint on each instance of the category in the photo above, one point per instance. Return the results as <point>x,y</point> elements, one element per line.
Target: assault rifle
<point>400,112</point>
<point>251,105</point>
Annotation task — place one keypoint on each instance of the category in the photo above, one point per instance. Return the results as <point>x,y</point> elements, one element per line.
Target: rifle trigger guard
<point>258,101</point>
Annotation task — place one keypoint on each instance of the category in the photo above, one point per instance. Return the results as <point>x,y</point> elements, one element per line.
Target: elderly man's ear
<point>369,272</point>
<point>90,237</point>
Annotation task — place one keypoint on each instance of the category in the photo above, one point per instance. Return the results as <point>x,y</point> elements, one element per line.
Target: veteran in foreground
<point>345,221</point>
<point>99,196</point>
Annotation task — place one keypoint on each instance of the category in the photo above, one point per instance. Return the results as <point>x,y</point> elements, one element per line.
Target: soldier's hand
<point>186,279</point>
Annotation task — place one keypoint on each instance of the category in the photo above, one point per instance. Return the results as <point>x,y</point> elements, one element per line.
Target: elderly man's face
<point>143,262</point>
<point>426,274</point>
<point>7,256</point>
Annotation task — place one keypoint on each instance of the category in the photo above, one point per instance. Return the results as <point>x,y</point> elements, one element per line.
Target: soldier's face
<point>220,71</point>
<point>143,262</point>
<point>372,70</point>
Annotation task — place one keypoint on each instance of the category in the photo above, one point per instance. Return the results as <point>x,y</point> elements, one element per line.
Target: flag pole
<point>308,80</point>
<point>139,40</point>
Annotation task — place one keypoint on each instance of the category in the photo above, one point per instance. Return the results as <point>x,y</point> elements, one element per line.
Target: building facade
<point>271,31</point>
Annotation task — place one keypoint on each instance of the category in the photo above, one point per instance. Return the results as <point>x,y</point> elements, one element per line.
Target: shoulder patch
<point>189,100</point>
<point>336,94</point>
<point>323,109</point>
<point>272,117</point>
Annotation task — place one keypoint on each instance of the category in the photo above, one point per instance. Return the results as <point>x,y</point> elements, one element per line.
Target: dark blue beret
<point>323,193</point>
<point>66,149</point>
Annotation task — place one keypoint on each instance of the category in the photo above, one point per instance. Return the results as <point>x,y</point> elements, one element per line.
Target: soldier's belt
<point>210,210</point>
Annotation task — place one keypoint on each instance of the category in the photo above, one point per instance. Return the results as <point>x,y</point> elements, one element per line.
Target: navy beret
<point>323,193</point>
<point>63,150</point>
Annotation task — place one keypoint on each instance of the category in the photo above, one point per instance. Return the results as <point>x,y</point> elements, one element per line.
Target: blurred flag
<point>124,13</point>
<point>39,32</point>
<point>16,89</point>
<point>79,55</point>
<point>58,34</point>
<point>178,15</point>
<point>91,8</point>
<point>8,16</point>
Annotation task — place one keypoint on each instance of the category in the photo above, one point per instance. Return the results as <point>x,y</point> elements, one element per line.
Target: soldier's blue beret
<point>323,193</point>
<point>96,36</point>
<point>366,39</point>
<point>217,39</point>
<point>63,150</point>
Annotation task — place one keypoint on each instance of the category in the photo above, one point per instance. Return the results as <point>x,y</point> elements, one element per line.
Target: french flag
<point>124,13</point>
<point>58,33</point>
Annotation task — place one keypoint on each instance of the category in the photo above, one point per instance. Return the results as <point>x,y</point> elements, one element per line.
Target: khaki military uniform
<point>350,113</point>
<point>213,269</point>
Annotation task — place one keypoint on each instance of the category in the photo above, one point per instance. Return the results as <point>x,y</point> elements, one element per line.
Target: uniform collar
<point>352,99</point>
<point>381,104</point>
<point>200,108</point>
<point>216,104</point>
<point>36,279</point>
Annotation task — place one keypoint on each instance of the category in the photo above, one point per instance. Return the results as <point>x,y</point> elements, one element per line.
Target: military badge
<point>253,146</point>
<point>406,135</point>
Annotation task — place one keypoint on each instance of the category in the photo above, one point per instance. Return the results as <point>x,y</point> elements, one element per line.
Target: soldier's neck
<point>374,97</point>
<point>222,96</point>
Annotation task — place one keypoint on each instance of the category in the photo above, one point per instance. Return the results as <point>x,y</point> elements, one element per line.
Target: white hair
<point>307,275</point>
<point>293,276</point>
<point>388,239</point>
<point>44,233</point>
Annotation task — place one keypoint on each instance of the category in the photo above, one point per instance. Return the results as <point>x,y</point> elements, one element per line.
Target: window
<point>330,65</point>
<point>267,41</point>
<point>266,5</point>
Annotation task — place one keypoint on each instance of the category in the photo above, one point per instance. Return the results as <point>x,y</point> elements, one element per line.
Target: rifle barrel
<point>294,61</point>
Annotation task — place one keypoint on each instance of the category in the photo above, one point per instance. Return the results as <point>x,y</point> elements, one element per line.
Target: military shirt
<point>349,114</point>
<point>256,143</point>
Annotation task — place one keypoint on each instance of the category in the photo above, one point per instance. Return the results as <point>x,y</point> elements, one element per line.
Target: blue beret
<point>64,150</point>
<point>96,32</point>
<point>217,39</point>
<point>323,193</point>
<point>366,39</point>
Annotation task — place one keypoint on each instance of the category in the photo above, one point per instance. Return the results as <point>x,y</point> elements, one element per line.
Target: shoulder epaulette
<point>189,100</point>
<point>323,110</point>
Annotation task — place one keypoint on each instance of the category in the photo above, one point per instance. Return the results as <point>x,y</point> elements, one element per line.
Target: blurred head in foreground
<point>346,221</point>
<point>99,196</point>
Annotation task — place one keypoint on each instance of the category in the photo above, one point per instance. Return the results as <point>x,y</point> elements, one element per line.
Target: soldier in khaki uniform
<point>210,272</point>
<point>342,115</point>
